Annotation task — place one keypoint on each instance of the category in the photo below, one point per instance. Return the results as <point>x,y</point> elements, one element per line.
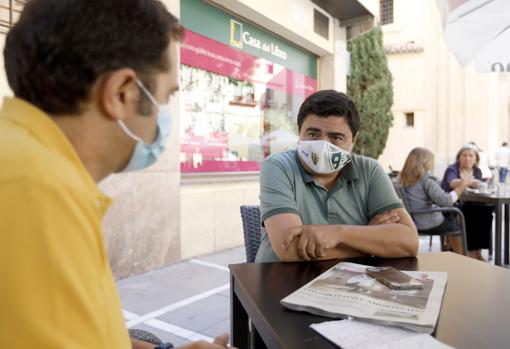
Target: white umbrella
<point>478,31</point>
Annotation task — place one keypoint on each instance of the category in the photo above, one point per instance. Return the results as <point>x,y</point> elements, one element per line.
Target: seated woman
<point>478,216</point>
<point>423,192</point>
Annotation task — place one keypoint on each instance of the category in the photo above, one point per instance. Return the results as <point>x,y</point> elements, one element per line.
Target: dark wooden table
<point>475,312</point>
<point>500,204</point>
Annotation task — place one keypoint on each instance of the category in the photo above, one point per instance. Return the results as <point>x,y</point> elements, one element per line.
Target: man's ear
<point>118,92</point>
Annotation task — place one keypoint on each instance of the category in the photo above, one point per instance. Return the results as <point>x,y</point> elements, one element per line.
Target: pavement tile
<point>200,315</point>
<point>219,328</point>
<point>150,291</point>
<point>231,256</point>
<point>225,293</point>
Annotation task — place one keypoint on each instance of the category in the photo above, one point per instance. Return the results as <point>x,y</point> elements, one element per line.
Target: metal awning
<point>343,9</point>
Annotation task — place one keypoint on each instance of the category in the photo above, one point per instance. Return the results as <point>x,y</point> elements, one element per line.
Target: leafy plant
<point>370,87</point>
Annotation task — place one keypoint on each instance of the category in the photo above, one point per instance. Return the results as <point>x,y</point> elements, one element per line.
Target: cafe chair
<point>250,215</point>
<point>459,217</point>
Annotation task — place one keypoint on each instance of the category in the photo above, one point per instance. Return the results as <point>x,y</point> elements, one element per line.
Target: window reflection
<point>231,125</point>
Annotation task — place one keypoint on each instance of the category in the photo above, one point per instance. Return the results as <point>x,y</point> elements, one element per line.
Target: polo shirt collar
<point>307,178</point>
<point>46,131</point>
<point>348,173</point>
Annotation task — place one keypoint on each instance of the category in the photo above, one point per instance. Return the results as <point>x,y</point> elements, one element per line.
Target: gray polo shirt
<point>362,191</point>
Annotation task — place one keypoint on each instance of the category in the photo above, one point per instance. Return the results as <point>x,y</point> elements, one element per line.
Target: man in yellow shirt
<point>92,80</point>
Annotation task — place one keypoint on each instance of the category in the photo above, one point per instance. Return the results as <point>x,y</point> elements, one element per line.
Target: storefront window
<point>238,107</point>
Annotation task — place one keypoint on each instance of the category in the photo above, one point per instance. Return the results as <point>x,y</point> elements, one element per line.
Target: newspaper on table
<point>346,290</point>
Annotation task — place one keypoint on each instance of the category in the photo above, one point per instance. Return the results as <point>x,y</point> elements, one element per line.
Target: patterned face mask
<point>323,157</point>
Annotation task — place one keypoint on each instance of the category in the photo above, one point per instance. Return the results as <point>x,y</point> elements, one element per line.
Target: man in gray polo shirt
<point>320,201</point>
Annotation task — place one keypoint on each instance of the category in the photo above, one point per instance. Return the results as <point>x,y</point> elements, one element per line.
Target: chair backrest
<point>453,211</point>
<point>250,215</point>
<point>401,193</point>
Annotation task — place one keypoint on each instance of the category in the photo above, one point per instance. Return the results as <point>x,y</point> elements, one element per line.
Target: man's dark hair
<point>327,103</point>
<point>59,48</point>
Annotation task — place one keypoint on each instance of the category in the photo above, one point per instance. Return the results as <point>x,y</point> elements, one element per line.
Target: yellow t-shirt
<point>56,286</point>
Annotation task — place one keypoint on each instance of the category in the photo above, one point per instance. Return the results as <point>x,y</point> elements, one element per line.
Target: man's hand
<point>385,218</point>
<point>220,342</point>
<point>314,240</point>
<point>138,344</point>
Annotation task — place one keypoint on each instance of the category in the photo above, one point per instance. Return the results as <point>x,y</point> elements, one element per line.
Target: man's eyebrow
<point>313,129</point>
<point>334,134</point>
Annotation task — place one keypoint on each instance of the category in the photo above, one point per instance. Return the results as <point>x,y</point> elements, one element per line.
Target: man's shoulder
<point>363,160</point>
<point>24,157</point>
<point>287,160</point>
<point>364,163</point>
<point>502,151</point>
<point>288,156</point>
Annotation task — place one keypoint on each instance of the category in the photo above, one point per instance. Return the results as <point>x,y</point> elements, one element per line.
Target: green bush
<point>370,87</point>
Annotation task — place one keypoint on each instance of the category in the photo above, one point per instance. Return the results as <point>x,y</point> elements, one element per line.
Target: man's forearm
<point>388,240</point>
<point>384,237</point>
<point>341,251</point>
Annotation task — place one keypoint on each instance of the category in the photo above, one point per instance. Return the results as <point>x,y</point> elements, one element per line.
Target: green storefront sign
<point>209,21</point>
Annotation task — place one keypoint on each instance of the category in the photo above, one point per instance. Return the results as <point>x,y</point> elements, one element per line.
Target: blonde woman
<point>423,192</point>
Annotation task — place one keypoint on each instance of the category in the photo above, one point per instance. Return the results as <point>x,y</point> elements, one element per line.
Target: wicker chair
<point>250,215</point>
<point>144,336</point>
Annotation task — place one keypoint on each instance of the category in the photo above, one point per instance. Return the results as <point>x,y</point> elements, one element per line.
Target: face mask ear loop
<point>129,133</point>
<point>354,141</point>
<point>151,98</point>
<point>147,93</point>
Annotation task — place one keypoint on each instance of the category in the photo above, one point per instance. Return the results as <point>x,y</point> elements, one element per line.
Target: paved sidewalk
<point>183,302</point>
<point>189,300</point>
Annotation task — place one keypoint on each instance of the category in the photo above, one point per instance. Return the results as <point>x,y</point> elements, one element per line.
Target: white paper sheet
<point>361,335</point>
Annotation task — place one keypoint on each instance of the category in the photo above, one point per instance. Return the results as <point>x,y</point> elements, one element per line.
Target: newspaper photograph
<point>346,290</point>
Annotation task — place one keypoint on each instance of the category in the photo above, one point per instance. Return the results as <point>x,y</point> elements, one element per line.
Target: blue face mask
<point>144,154</point>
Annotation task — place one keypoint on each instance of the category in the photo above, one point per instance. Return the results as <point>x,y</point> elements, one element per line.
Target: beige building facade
<point>438,104</point>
